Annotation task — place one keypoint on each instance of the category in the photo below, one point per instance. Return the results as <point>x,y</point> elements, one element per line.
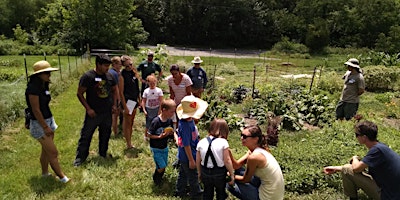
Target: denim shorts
<point>36,129</point>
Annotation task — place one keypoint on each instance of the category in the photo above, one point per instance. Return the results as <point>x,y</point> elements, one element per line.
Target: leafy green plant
<point>381,78</point>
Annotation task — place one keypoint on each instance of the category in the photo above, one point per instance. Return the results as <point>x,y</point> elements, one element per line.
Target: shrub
<point>288,47</point>
<point>380,78</point>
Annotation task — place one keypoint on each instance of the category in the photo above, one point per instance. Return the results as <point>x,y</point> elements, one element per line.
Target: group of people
<point>105,93</point>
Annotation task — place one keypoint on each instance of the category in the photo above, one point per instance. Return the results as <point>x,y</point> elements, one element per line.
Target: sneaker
<point>64,180</point>
<point>78,162</point>
<point>48,174</point>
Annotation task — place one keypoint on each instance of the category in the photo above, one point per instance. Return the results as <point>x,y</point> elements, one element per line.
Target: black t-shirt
<point>157,128</point>
<point>98,90</point>
<point>131,85</point>
<point>38,88</point>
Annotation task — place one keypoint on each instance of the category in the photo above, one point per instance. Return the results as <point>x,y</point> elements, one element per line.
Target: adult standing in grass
<point>213,161</point>
<point>101,100</point>
<point>115,71</point>
<point>383,178</point>
<point>147,68</point>
<point>130,97</point>
<point>260,163</point>
<point>42,124</point>
<point>179,86</point>
<point>198,76</point>
<point>354,86</point>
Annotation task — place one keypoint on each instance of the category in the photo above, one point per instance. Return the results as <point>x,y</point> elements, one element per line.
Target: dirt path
<point>227,53</point>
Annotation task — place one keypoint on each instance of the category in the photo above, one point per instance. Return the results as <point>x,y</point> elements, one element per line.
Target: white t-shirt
<point>152,97</point>
<point>217,148</point>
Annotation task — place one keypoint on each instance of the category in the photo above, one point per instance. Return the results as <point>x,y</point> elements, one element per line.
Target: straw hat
<point>191,106</point>
<point>197,59</point>
<point>42,66</point>
<point>352,62</point>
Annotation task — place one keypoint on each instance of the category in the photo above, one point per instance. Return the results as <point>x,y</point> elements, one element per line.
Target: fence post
<point>26,69</point>
<point>254,81</point>
<point>44,54</point>
<point>59,64</point>
<point>213,83</point>
<point>69,64</point>
<point>312,79</point>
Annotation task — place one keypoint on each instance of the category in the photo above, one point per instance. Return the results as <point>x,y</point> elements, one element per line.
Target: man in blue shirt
<point>198,77</point>
<point>383,178</point>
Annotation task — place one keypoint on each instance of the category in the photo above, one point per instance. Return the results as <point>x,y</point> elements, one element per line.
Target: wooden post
<point>312,79</point>
<point>254,81</point>
<point>26,69</point>
<point>59,64</point>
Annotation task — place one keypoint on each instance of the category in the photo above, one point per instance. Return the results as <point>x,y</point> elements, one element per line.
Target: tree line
<point>124,24</point>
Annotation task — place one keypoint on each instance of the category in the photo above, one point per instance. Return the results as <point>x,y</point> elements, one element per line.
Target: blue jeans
<point>245,191</point>
<point>187,175</point>
<point>214,178</point>
<point>103,121</point>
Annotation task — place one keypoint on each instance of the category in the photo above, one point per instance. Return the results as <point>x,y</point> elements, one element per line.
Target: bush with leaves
<point>219,109</point>
<point>381,78</point>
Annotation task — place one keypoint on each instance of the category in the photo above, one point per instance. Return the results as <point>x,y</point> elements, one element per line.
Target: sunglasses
<point>358,134</point>
<point>246,136</point>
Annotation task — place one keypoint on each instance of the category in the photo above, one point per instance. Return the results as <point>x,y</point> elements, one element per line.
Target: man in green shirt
<point>147,68</point>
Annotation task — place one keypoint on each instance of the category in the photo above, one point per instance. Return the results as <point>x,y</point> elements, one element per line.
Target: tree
<point>99,23</point>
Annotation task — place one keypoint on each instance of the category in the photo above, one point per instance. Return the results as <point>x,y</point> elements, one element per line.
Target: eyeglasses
<point>358,134</point>
<point>246,136</point>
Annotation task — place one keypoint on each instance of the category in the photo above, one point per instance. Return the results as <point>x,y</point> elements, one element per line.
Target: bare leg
<point>51,153</point>
<point>127,128</point>
<point>44,162</point>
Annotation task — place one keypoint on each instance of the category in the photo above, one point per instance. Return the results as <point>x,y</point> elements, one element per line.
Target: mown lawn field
<point>128,175</point>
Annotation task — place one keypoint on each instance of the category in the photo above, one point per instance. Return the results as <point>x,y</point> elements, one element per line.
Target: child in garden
<point>213,161</point>
<point>189,109</point>
<point>159,131</point>
<point>151,100</point>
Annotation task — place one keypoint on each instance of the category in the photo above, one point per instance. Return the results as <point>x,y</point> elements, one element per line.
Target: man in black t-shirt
<point>101,100</point>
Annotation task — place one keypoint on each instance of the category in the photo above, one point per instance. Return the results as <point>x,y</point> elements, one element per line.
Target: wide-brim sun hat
<point>197,59</point>
<point>42,66</point>
<point>352,62</point>
<point>191,106</point>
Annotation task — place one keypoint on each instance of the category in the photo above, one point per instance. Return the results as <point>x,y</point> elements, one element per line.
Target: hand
<point>232,182</point>
<point>48,131</point>
<point>91,112</point>
<point>192,165</point>
<point>114,109</point>
<point>331,169</point>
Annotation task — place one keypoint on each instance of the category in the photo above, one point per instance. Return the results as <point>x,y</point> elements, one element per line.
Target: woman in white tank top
<point>260,163</point>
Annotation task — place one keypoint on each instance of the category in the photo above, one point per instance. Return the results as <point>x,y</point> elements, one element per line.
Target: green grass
<point>301,155</point>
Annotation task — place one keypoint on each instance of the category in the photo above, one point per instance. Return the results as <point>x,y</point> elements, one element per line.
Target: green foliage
<point>219,109</point>
<point>391,42</point>
<point>288,47</point>
<point>330,82</point>
<point>380,78</point>
<point>100,23</point>
<point>317,37</point>
<point>296,109</point>
<point>381,58</point>
<point>20,35</point>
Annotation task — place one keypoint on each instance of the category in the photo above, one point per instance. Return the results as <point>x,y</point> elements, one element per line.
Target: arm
<point>82,99</point>
<point>188,151</point>
<point>115,98</point>
<point>357,165</point>
<point>144,99</point>
<point>360,91</point>
<point>198,164</point>
<point>160,99</point>
<point>121,89</point>
<point>240,162</point>
<point>252,163</point>
<point>228,164</point>
<point>171,93</point>
<point>188,90</point>
<point>34,101</point>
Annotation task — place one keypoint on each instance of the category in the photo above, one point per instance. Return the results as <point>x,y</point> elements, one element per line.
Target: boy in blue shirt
<point>189,109</point>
